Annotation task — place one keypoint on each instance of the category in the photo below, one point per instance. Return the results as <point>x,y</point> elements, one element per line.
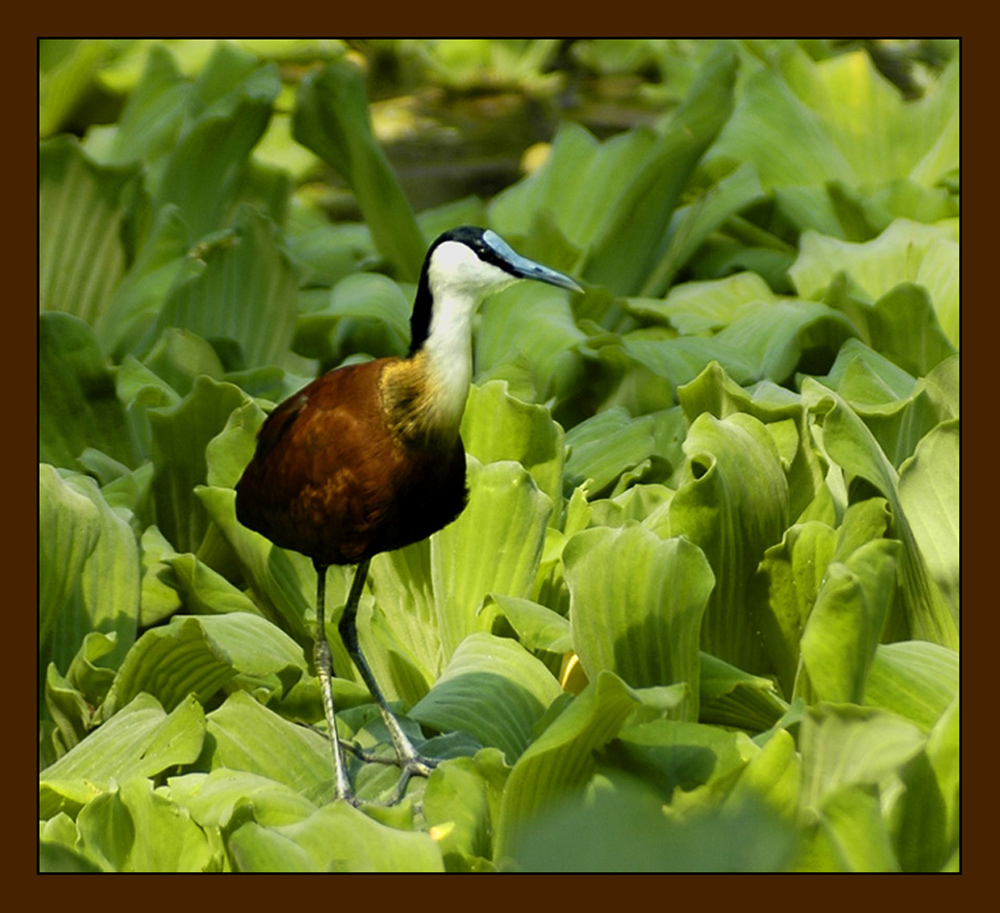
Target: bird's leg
<point>324,668</point>
<point>410,760</point>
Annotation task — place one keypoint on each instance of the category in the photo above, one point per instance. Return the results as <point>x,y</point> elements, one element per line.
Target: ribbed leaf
<point>77,403</point>
<point>730,697</point>
<point>926,615</point>
<point>877,266</point>
<point>282,582</point>
<point>404,606</point>
<point>844,744</point>
<point>604,446</point>
<point>537,626</point>
<point>493,689</point>
<point>497,426</point>
<point>199,654</point>
<point>792,573</point>
<point>134,828</point>
<point>106,598</point>
<point>248,737</point>
<point>460,805</point>
<point>576,159</point>
<point>621,258</point>
<point>214,798</point>
<point>776,337</point>
<point>528,337</point>
<point>336,838</point>
<point>929,493</point>
<point>915,679</point>
<point>561,760</point>
<point>129,323</point>
<point>180,435</point>
<point>81,256</point>
<point>141,740</point>
<point>247,292</point>
<point>843,630</point>
<point>331,119</point>
<point>636,606</point>
<point>69,525</point>
<point>897,407</point>
<point>495,546</point>
<point>206,166</point>
<point>733,503</point>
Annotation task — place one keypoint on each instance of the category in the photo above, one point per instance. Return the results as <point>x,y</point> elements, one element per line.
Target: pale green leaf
<point>493,689</point>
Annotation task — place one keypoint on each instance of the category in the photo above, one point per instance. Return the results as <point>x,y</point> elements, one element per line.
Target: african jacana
<point>368,458</point>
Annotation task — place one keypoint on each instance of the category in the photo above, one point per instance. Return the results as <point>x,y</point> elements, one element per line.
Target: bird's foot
<point>415,765</point>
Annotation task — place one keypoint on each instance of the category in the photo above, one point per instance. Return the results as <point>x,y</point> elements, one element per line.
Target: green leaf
<point>620,258</point>
<point>81,215</point>
<point>636,606</point>
<point>162,263</point>
<point>622,828</point>
<point>134,828</point>
<point>365,312</point>
<point>844,745</point>
<point>497,426</point>
<point>561,760</point>
<point>576,159</point>
<point>215,798</point>
<point>335,838</point>
<point>77,403</point>
<point>914,679</point>
<point>530,329</point>
<point>205,591</point>
<point>180,436</point>
<point>69,526</point>
<point>538,627</point>
<point>506,519</point>
<point>493,689</point>
<point>897,408</point>
<point>153,112</point>
<point>792,573</point>
<point>282,582</point>
<point>694,308</point>
<point>803,123</point>
<point>733,504</point>
<point>103,594</point>
<point>774,775</point>
<point>730,697</point>
<point>331,118</point>
<point>460,804</point>
<point>844,627</point>
<point>851,834</point>
<point>208,163</point>
<point>929,494</point>
<point>877,266</point>
<point>604,446</point>
<point>141,740</point>
<point>248,737</point>
<point>693,223</point>
<point>67,70</point>
<point>199,655</point>
<point>776,338</point>
<point>925,613</point>
<point>246,293</point>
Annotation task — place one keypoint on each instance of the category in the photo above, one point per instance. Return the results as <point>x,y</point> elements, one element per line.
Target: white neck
<point>458,282</point>
<point>449,355</point>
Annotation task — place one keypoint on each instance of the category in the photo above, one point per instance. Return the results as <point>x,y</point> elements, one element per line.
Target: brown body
<point>355,464</point>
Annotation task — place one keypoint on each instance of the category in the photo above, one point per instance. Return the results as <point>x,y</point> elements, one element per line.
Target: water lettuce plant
<point>702,612</point>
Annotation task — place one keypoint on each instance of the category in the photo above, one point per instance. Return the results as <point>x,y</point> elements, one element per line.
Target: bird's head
<point>462,267</point>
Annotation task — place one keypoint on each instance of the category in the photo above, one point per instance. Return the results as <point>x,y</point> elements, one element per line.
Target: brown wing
<point>329,481</point>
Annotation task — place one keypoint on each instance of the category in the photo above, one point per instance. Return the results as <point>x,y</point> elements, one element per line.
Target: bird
<point>368,457</point>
